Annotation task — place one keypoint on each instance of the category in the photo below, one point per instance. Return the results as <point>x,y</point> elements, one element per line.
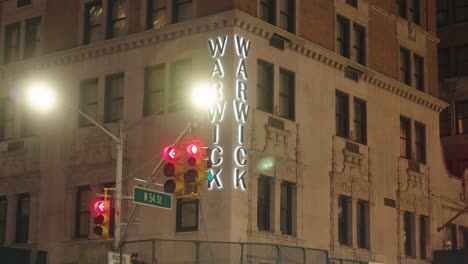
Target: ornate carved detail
<point>411,31</point>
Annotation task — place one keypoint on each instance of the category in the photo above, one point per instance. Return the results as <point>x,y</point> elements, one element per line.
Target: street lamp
<point>42,97</point>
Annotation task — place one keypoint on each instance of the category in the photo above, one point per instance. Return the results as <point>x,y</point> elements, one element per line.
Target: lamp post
<point>41,96</point>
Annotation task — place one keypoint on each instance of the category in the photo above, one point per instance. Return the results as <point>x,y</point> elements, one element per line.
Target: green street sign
<point>152,198</point>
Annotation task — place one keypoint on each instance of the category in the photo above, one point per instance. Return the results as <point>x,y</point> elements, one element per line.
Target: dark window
<point>352,3</point>
<point>88,101</point>
<point>344,220</point>
<point>28,123</point>
<point>363,224</point>
<point>359,44</point>
<point>461,117</point>
<point>420,142</point>
<point>82,212</point>
<point>265,86</point>
<point>409,234</point>
<point>445,124</point>
<point>181,81</point>
<point>405,66</point>
<point>461,60</point>
<point>342,36</point>
<point>443,61</point>
<point>442,12</point>
<point>114,98</point>
<point>21,3</point>
<point>402,8</point>
<point>267,11</point>
<point>93,22</point>
<point>418,72</point>
<point>182,10</point>
<point>22,218</point>
<point>156,17</point>
<point>415,11</point>
<point>7,118</point>
<point>405,137</point>
<point>464,236</point>
<point>286,216</point>
<point>116,22</point>
<point>12,45</point>
<point>360,121</point>
<point>3,218</point>
<point>187,215</point>
<point>287,15</point>
<point>342,115</point>
<point>461,11</point>
<point>154,90</point>
<point>32,38</point>
<point>263,203</point>
<point>424,234</point>
<point>286,94</point>
<point>452,235</point>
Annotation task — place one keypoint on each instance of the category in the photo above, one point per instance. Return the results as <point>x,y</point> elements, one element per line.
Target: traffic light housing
<point>173,169</point>
<point>102,219</point>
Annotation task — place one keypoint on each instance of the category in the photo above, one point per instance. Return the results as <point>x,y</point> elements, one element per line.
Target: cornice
<point>233,18</point>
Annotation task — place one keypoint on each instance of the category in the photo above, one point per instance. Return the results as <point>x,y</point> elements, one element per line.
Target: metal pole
<point>118,187</point>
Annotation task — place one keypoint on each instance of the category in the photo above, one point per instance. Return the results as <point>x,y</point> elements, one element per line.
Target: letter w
<point>217,112</point>
<point>242,46</point>
<point>217,46</point>
<point>241,110</point>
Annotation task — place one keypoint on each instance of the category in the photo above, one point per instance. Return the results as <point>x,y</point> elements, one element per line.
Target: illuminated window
<point>286,94</point>
<point>420,142</point>
<point>182,10</point>
<point>405,137</point>
<point>360,121</point>
<point>12,43</point>
<point>286,214</point>
<point>154,90</point>
<point>3,218</point>
<point>82,212</point>
<point>93,22</point>
<point>22,218</point>
<point>409,234</point>
<point>88,101</point>
<point>187,215</point>
<point>181,82</point>
<point>116,18</point>
<point>7,118</point>
<point>263,203</point>
<point>265,86</point>
<point>344,220</point>
<point>363,224</point>
<point>114,98</point>
<point>342,115</point>
<point>405,66</point>
<point>157,16</point>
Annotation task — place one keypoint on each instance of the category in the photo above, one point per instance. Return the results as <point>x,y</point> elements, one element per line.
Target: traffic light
<point>203,165</point>
<point>101,219</point>
<point>198,163</point>
<point>173,169</point>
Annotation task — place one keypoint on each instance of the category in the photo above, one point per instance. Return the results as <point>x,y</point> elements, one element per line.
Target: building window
<point>415,12</point>
<point>7,118</point>
<point>443,61</point>
<point>420,142</point>
<point>405,137</point>
<point>82,212</point>
<point>267,11</point>
<point>461,60</point>
<point>154,90</point>
<point>22,218</point>
<point>93,22</point>
<point>114,98</point>
<point>424,234</point>
<point>182,10</point>
<point>452,235</point>
<point>181,81</point>
<point>363,224</point>
<point>461,113</point>
<point>263,203</point>
<point>21,3</point>
<point>187,215</point>
<point>116,23</point>
<point>445,124</point>
<point>12,42</point>
<point>352,3</point>
<point>359,44</point>
<point>3,218</point>
<point>286,216</point>
<point>463,234</point>
<point>344,220</point>
<point>156,17</point>
<point>342,114</point>
<point>418,72</point>
<point>402,8</point>
<point>408,235</point>
<point>405,66</point>
<point>360,121</point>
<point>461,11</point>
<point>265,86</point>
<point>286,94</point>
<point>88,101</point>
<point>32,38</point>
<point>342,36</point>
<point>442,12</point>
<point>28,123</point>
<point>286,15</point>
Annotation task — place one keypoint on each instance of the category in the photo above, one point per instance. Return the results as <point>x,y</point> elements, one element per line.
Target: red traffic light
<point>193,149</point>
<point>170,153</point>
<point>101,206</point>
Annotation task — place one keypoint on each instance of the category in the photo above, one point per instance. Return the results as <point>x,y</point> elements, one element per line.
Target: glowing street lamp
<point>204,95</point>
<point>41,96</point>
